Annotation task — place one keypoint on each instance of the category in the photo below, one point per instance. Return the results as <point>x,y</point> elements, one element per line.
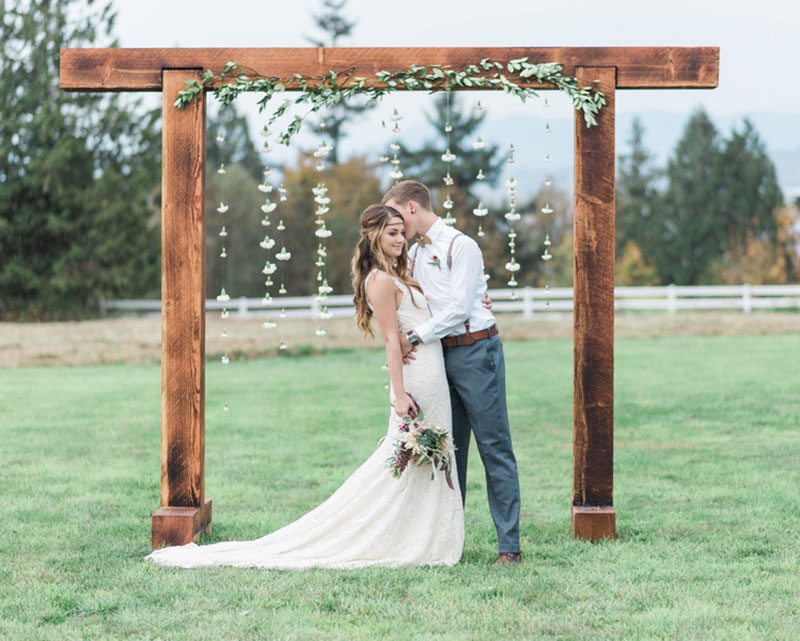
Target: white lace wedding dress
<point>373,518</point>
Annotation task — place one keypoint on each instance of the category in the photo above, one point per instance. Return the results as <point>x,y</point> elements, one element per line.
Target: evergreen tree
<point>751,192</point>
<point>79,173</point>
<point>638,199</point>
<point>238,147</point>
<point>691,232</point>
<point>426,165</point>
<point>335,26</point>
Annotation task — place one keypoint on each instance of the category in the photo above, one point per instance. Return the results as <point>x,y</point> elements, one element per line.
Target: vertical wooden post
<point>593,259</point>
<point>184,511</point>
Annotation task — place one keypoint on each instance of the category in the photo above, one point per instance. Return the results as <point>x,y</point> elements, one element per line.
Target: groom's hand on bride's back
<point>487,302</point>
<point>407,349</point>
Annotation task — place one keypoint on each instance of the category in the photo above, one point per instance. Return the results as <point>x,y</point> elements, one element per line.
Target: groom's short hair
<point>407,190</point>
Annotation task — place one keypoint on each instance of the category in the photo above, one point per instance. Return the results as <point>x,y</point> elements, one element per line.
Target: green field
<point>707,470</point>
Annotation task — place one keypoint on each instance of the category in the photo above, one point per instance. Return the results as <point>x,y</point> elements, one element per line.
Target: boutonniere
<point>435,262</point>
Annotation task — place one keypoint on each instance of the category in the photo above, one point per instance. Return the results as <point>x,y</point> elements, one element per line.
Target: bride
<point>373,518</point>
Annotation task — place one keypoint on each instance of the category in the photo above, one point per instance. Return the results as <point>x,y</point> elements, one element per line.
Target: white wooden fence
<point>529,301</point>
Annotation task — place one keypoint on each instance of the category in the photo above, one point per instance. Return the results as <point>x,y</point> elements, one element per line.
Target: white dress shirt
<point>454,295</point>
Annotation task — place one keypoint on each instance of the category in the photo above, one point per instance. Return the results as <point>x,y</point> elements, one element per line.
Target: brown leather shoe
<point>508,558</point>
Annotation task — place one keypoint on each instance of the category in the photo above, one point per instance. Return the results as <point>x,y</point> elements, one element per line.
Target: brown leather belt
<point>469,338</point>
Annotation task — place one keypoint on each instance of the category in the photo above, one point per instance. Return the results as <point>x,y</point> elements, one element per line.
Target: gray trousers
<point>477,378</point>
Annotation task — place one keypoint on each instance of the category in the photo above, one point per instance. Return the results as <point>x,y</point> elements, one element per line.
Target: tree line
<point>80,190</point>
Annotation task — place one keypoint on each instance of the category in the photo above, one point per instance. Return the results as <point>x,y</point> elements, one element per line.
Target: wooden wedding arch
<point>185,511</point>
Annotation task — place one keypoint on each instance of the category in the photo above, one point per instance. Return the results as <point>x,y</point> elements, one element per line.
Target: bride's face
<point>393,239</point>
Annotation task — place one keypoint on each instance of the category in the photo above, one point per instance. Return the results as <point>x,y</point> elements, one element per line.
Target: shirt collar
<point>436,229</point>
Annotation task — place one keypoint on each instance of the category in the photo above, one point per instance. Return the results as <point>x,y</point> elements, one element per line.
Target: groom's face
<point>407,213</point>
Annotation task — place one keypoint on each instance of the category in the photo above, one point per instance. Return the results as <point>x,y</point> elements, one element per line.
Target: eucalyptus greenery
<point>335,87</point>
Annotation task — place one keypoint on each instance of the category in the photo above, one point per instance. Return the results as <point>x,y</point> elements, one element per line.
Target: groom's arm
<point>466,277</point>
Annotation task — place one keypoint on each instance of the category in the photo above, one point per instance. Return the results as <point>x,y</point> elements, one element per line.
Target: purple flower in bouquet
<point>421,442</point>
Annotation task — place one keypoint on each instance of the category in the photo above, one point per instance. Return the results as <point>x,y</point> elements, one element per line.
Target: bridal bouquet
<point>421,442</point>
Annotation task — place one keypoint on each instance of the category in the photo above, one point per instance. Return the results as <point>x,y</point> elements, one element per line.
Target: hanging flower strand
<point>546,211</point>
<point>322,207</point>
<point>448,157</point>
<point>512,217</point>
<point>480,211</point>
<point>267,243</point>
<point>223,296</point>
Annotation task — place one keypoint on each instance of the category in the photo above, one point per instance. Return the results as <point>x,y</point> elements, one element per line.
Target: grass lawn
<point>707,470</point>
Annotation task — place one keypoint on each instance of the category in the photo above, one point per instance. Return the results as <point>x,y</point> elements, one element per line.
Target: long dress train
<point>373,518</point>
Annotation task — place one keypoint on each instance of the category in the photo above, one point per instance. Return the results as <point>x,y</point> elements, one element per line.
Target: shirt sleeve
<point>466,277</point>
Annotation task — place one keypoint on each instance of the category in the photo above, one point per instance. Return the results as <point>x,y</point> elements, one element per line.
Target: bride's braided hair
<point>368,255</point>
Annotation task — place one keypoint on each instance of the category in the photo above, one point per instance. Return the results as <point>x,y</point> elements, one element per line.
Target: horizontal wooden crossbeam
<point>120,69</point>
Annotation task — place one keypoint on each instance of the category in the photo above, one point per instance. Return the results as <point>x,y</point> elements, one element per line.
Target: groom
<point>449,267</point>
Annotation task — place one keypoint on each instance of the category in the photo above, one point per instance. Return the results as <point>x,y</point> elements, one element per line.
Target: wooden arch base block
<point>180,525</point>
<point>593,523</point>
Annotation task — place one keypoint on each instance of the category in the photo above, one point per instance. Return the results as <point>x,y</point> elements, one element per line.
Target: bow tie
<point>423,240</point>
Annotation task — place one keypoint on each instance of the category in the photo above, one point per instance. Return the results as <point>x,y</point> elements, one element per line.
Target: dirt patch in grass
<point>138,340</point>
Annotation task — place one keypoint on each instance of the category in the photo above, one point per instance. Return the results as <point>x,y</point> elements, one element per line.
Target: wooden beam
<point>183,319</point>
<point>119,69</point>
<point>593,403</point>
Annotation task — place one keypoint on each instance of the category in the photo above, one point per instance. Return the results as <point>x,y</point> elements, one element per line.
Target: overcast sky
<point>758,40</point>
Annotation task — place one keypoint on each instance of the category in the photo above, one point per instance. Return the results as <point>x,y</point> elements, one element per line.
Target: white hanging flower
<point>223,253</point>
<point>450,221</point>
<point>322,200</point>
<point>321,298</point>
<point>221,169</point>
<point>396,174</point>
<point>269,324</point>
<point>268,207</point>
<point>395,117</point>
<point>224,314</point>
<point>395,161</point>
<point>280,226</point>
<point>267,243</point>
<point>547,209</point>
<point>225,359</point>
<point>265,131</point>
<point>513,216</point>
<point>320,166</point>
<point>319,190</point>
<point>223,232</point>
<point>448,156</point>
<point>448,180</point>
<point>220,138</point>
<point>266,221</point>
<point>513,266</point>
<point>511,184</point>
<point>478,144</point>
<point>322,232</point>
<point>394,146</point>
<point>512,282</point>
<point>269,268</point>
<point>325,314</point>
<point>265,188</point>
<point>283,254</point>
<point>223,296</point>
<point>325,288</point>
<point>547,255</point>
<point>267,300</point>
<point>384,158</point>
<point>448,204</point>
<point>267,148</point>
<point>480,210</point>
<point>222,207</point>
<point>321,211</point>
<point>512,234</point>
<point>321,332</point>
<point>480,175</point>
<point>547,242</point>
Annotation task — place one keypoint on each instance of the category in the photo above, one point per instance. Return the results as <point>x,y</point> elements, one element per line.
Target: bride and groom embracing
<point>444,357</point>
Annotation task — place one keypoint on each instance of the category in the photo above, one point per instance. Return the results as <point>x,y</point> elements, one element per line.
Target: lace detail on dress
<point>373,518</point>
